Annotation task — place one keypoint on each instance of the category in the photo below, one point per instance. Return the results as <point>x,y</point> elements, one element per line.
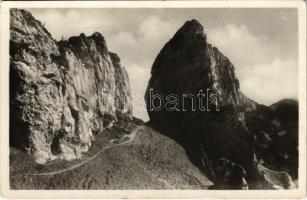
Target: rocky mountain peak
<point>191,28</point>
<point>100,41</point>
<point>98,35</point>
<point>190,56</point>
<point>186,65</point>
<point>82,44</point>
<point>62,93</point>
<point>115,58</point>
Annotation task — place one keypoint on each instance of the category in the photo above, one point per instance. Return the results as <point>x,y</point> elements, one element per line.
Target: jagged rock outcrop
<point>61,93</point>
<point>276,131</point>
<point>211,128</point>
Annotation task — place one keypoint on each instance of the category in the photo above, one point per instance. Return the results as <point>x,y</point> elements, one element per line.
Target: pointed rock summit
<point>213,129</point>
<point>186,66</point>
<point>191,28</point>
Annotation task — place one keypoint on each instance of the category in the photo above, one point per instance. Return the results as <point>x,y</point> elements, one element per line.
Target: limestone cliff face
<point>62,93</point>
<point>223,141</point>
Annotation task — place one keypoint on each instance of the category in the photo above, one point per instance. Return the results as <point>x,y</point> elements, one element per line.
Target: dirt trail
<point>110,145</point>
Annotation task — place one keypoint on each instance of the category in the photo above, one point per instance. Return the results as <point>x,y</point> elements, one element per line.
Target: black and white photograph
<point>172,96</point>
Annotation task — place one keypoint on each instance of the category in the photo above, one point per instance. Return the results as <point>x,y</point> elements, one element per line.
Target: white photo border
<point>149,194</point>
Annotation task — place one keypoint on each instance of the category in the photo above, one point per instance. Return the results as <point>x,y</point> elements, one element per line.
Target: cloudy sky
<point>261,43</point>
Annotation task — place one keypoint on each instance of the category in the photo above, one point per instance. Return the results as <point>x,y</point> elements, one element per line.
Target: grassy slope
<point>150,161</point>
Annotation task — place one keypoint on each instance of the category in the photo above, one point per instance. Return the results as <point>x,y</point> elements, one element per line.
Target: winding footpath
<point>131,137</point>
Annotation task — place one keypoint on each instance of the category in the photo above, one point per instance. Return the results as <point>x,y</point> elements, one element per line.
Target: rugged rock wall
<point>62,93</point>
<point>220,139</point>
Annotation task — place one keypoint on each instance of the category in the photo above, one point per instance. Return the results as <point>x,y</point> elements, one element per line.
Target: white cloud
<point>67,23</point>
<point>137,51</point>
<point>153,29</point>
<point>269,83</point>
<point>241,46</point>
<point>263,75</point>
<point>144,43</point>
<point>139,77</point>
